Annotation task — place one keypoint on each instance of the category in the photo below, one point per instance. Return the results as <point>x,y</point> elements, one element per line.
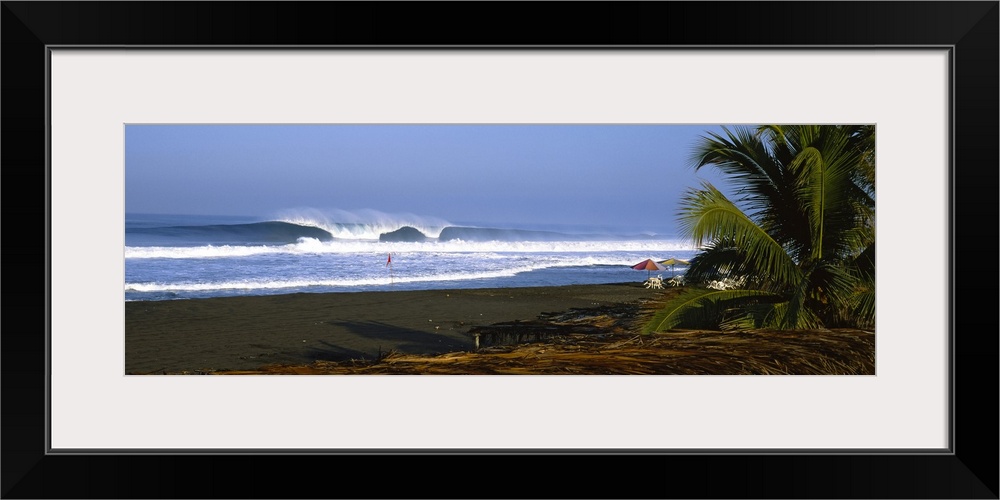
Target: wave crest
<point>364,224</point>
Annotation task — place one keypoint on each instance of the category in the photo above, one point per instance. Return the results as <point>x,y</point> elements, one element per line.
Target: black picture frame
<point>969,28</point>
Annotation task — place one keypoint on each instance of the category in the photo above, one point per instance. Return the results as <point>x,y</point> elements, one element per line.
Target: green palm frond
<point>707,215</point>
<point>789,315</point>
<point>801,226</point>
<point>827,290</point>
<point>860,234</point>
<point>863,141</point>
<point>753,316</point>
<point>824,170</point>
<point>863,308</point>
<point>865,261</point>
<point>769,315</point>
<point>794,310</point>
<point>857,309</point>
<point>746,160</point>
<point>860,304</point>
<point>812,181</point>
<point>700,306</point>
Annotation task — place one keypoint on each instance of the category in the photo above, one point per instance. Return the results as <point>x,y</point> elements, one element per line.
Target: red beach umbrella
<point>649,265</point>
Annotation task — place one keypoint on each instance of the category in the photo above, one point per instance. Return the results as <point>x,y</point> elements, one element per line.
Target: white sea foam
<point>363,224</point>
<point>304,283</point>
<point>313,246</point>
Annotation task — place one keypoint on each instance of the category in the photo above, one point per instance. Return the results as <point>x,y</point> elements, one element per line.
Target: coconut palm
<point>796,245</point>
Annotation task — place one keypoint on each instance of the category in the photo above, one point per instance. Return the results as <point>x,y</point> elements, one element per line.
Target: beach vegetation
<point>793,245</point>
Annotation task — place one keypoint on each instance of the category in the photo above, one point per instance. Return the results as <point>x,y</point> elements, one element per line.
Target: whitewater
<point>170,257</point>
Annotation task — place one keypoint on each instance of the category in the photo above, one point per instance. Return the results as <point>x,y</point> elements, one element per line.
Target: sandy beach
<point>244,333</point>
<point>578,329</point>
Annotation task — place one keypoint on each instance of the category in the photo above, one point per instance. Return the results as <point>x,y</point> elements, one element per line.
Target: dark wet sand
<point>244,333</point>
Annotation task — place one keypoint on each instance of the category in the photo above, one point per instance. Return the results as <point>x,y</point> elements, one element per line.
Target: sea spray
<point>366,224</point>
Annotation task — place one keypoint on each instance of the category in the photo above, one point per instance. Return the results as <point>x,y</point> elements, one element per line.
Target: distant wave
<point>362,224</point>
<point>311,231</point>
<point>256,232</point>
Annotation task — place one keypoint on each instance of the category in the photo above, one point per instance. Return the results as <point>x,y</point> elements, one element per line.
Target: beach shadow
<point>383,338</point>
<point>331,352</point>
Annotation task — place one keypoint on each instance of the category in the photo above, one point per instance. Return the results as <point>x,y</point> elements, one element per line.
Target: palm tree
<point>799,238</point>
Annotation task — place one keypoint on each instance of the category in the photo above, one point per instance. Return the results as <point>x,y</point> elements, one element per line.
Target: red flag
<point>389,261</point>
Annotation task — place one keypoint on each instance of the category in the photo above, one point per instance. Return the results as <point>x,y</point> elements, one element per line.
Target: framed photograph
<point>119,110</point>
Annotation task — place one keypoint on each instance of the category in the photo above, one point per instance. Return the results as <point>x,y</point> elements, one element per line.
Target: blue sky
<point>524,175</point>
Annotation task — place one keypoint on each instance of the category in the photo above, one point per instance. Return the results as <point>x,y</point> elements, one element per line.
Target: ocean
<point>169,257</point>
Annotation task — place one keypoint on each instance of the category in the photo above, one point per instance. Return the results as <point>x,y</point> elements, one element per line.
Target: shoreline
<point>248,333</point>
